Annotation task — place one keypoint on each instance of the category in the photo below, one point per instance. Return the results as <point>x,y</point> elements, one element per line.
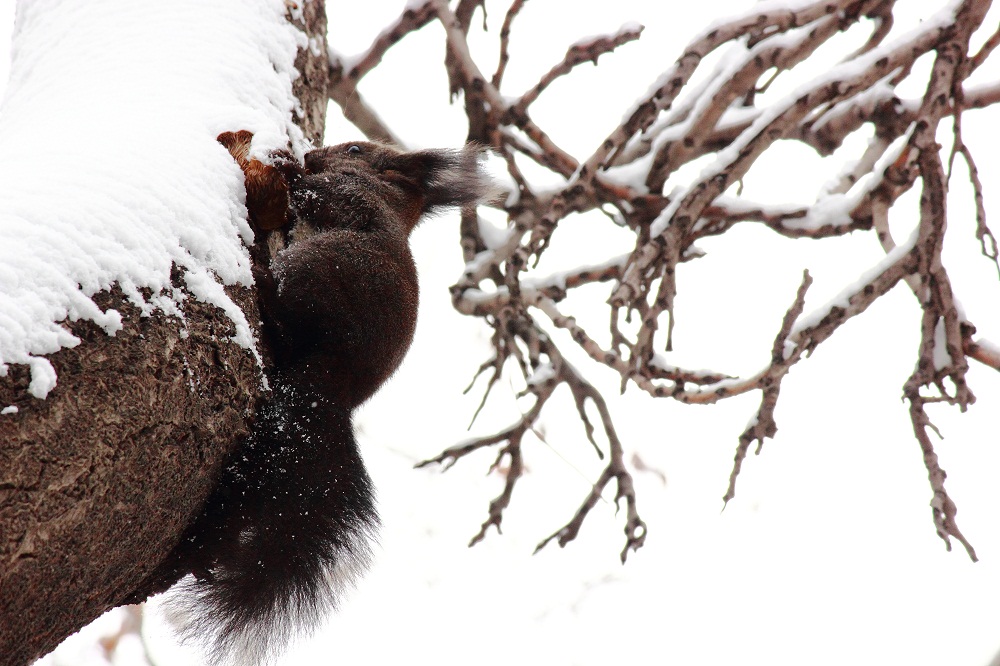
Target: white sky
<point>827,555</point>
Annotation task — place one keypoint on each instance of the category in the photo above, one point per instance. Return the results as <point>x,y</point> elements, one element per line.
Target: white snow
<point>942,359</point>
<point>661,363</point>
<point>558,278</point>
<point>110,168</point>
<point>492,234</point>
<point>755,10</point>
<point>842,299</point>
<point>627,27</point>
<point>845,71</point>
<point>631,174</point>
<point>542,374</point>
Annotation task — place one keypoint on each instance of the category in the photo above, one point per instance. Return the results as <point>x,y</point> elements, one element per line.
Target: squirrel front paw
<point>266,184</point>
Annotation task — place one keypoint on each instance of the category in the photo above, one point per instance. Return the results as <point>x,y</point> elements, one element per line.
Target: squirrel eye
<point>354,150</point>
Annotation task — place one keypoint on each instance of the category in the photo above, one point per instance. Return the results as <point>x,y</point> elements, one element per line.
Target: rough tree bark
<point>98,480</point>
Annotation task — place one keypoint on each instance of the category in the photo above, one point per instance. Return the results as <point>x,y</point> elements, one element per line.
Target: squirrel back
<point>290,522</point>
<point>358,203</point>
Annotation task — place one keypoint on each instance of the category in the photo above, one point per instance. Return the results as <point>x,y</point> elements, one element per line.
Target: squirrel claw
<point>266,184</point>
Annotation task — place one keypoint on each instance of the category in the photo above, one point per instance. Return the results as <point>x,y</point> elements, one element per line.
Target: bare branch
<point>987,241</point>
<point>513,473</point>
<point>365,118</point>
<point>345,76</point>
<point>721,114</point>
<point>985,352</point>
<point>672,81</point>
<point>579,53</point>
<point>782,358</point>
<point>991,43</point>
<point>635,528</point>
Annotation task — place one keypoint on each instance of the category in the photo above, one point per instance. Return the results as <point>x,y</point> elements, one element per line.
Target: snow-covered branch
<point>720,110</point>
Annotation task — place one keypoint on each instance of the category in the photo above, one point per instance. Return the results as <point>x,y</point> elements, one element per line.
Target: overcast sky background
<point>828,553</point>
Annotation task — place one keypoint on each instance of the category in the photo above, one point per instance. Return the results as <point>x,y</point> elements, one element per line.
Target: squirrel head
<point>411,184</point>
<point>358,185</point>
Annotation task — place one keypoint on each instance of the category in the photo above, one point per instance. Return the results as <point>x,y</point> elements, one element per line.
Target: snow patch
<point>111,171</point>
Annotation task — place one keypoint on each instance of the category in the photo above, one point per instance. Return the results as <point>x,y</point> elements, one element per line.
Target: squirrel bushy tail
<point>287,529</point>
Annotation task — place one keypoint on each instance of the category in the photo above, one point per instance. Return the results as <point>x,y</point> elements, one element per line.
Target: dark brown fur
<point>293,513</point>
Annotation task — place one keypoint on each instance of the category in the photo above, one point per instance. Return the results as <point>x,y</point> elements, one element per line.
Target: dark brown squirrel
<point>290,521</point>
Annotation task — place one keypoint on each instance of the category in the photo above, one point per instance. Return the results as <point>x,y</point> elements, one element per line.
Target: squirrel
<point>290,521</point>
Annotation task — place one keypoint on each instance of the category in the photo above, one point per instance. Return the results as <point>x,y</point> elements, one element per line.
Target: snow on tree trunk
<point>128,363</point>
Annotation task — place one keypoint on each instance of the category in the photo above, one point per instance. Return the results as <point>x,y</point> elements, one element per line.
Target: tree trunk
<point>98,480</point>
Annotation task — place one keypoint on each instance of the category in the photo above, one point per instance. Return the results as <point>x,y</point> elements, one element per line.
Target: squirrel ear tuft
<point>452,177</point>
